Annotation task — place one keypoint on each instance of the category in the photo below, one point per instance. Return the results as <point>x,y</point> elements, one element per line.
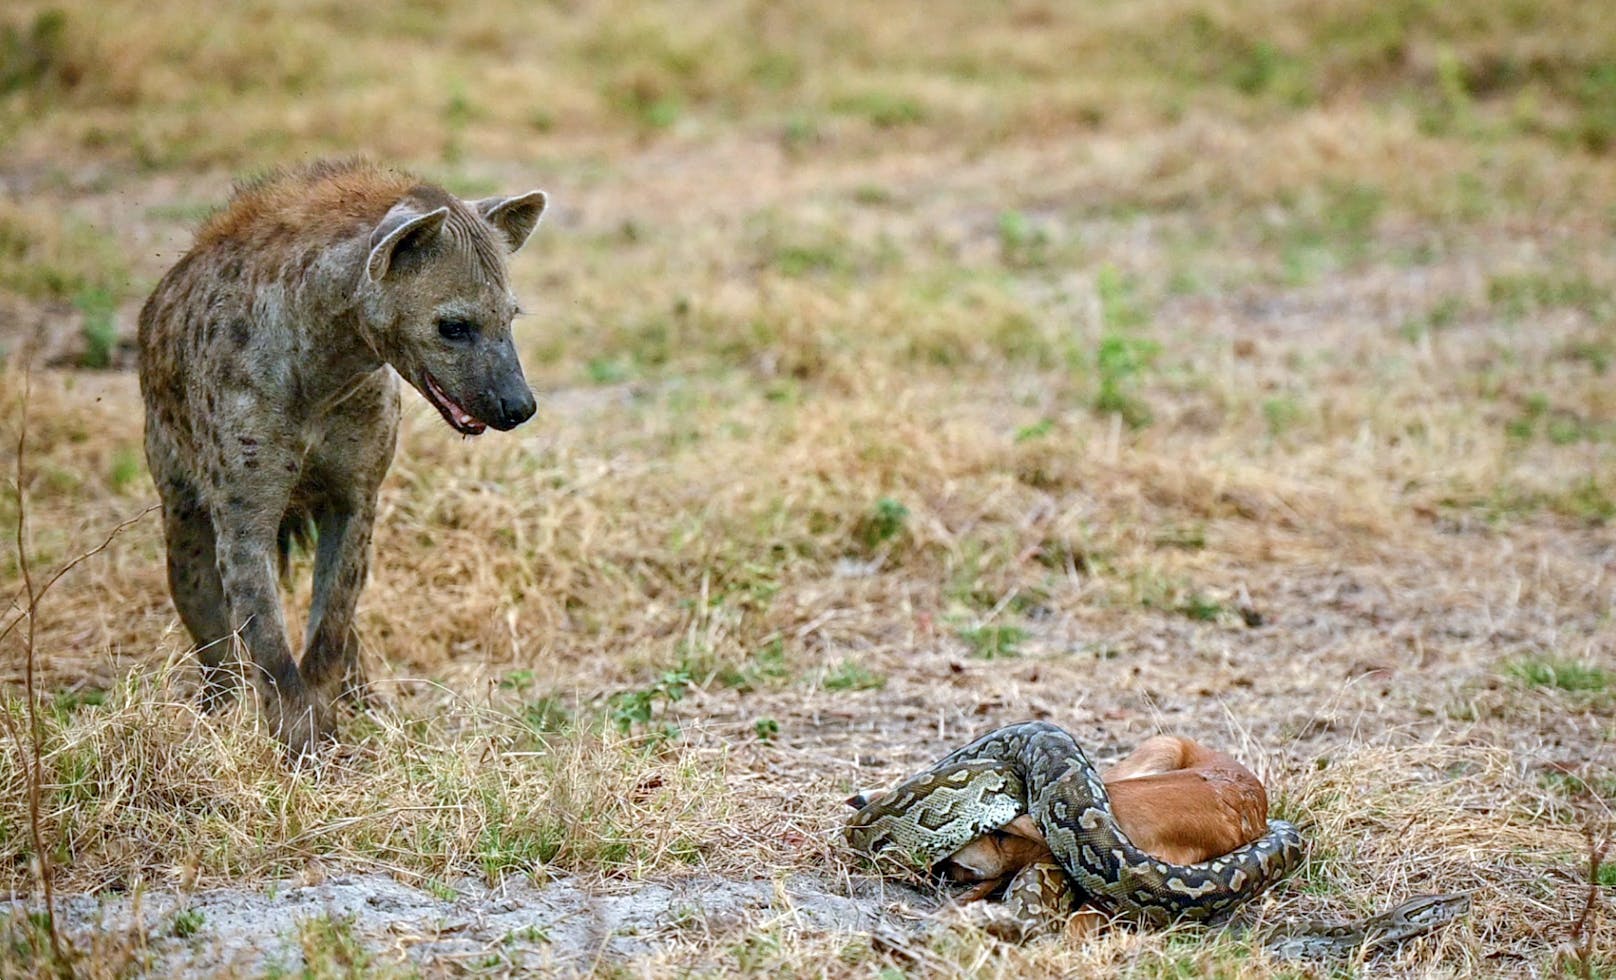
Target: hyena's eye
<point>454,328</point>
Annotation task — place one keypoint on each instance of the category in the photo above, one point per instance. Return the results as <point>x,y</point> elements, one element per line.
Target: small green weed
<point>1516,296</point>
<point>885,521</point>
<point>36,54</point>
<point>1120,306</point>
<point>765,668</point>
<point>331,948</point>
<point>1119,361</point>
<point>1567,675</point>
<point>630,708</point>
<point>851,676</point>
<point>126,469</point>
<point>886,110</point>
<point>505,847</point>
<point>544,716</point>
<point>1022,243</point>
<point>1200,608</point>
<point>188,922</point>
<point>1036,430</point>
<point>993,642</point>
<point>99,329</point>
<point>1281,413</point>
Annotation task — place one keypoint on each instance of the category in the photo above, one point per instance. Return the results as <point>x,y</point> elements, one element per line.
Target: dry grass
<point>1234,369</point>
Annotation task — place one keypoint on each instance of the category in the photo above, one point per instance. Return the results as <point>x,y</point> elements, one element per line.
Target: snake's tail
<point>1410,920</point>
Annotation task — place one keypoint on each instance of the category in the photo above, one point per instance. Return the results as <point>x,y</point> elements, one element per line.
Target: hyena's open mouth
<point>458,418</point>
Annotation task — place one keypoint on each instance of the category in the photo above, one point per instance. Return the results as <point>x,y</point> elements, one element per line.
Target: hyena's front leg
<point>340,566</point>
<point>247,557</point>
<point>344,474</point>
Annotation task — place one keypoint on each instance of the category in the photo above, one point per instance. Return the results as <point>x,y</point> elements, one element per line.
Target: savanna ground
<point>1241,370</point>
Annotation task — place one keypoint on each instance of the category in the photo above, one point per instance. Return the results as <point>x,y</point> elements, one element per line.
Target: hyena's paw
<point>300,723</point>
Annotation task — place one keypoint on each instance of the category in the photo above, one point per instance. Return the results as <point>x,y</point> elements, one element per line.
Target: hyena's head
<point>438,307</point>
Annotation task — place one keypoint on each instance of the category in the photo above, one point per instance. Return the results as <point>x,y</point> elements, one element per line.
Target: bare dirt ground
<point>557,927</point>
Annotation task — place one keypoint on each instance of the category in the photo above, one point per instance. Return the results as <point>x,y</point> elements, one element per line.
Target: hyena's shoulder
<point>310,201</point>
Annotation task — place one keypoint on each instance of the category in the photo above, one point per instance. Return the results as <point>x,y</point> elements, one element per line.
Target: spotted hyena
<point>269,358</point>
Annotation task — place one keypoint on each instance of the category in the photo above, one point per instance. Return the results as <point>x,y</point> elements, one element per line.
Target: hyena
<point>268,356</point>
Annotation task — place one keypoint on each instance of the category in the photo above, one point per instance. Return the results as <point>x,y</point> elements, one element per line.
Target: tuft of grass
<point>1566,675</point>
<point>1023,243</point>
<point>629,709</point>
<point>886,521</point>
<point>187,922</point>
<point>1119,362</point>
<point>479,795</point>
<point>993,641</point>
<point>1519,294</point>
<point>1329,229</point>
<point>99,330</point>
<point>127,468</point>
<point>850,675</point>
<point>1281,413</point>
<point>332,948</point>
<point>767,667</point>
<point>884,109</point>
<point>35,54</point>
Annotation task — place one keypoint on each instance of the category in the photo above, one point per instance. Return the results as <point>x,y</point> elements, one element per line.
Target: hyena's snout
<point>479,389</point>
<point>506,400</point>
<point>512,404</point>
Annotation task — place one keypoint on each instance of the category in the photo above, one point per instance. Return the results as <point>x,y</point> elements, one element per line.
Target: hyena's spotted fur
<point>267,360</point>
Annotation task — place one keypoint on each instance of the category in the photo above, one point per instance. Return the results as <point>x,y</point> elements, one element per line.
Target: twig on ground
<point>1582,930</point>
<point>31,749</point>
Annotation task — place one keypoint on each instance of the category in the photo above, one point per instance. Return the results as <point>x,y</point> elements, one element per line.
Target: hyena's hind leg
<point>193,580</point>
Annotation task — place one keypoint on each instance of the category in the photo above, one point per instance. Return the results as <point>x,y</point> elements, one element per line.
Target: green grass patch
<point>885,521</point>
<point>992,641</point>
<point>766,667</point>
<point>629,709</point>
<point>331,947</point>
<point>1566,675</point>
<point>883,109</point>
<point>1514,296</point>
<point>187,922</point>
<point>852,676</point>
<point>47,255</point>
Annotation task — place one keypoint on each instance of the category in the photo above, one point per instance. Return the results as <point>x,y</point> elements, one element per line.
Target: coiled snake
<point>1038,769</point>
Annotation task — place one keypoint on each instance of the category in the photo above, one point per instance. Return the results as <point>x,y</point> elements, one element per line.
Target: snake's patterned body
<point>1038,769</point>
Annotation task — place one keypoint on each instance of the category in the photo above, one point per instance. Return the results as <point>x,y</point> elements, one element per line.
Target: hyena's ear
<point>515,217</point>
<point>402,229</point>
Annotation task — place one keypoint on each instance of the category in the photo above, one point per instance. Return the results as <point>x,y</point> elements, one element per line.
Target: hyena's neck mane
<point>311,205</point>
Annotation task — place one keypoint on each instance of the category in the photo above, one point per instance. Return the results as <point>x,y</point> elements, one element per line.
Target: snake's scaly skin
<point>1039,769</point>
<point>1313,939</point>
